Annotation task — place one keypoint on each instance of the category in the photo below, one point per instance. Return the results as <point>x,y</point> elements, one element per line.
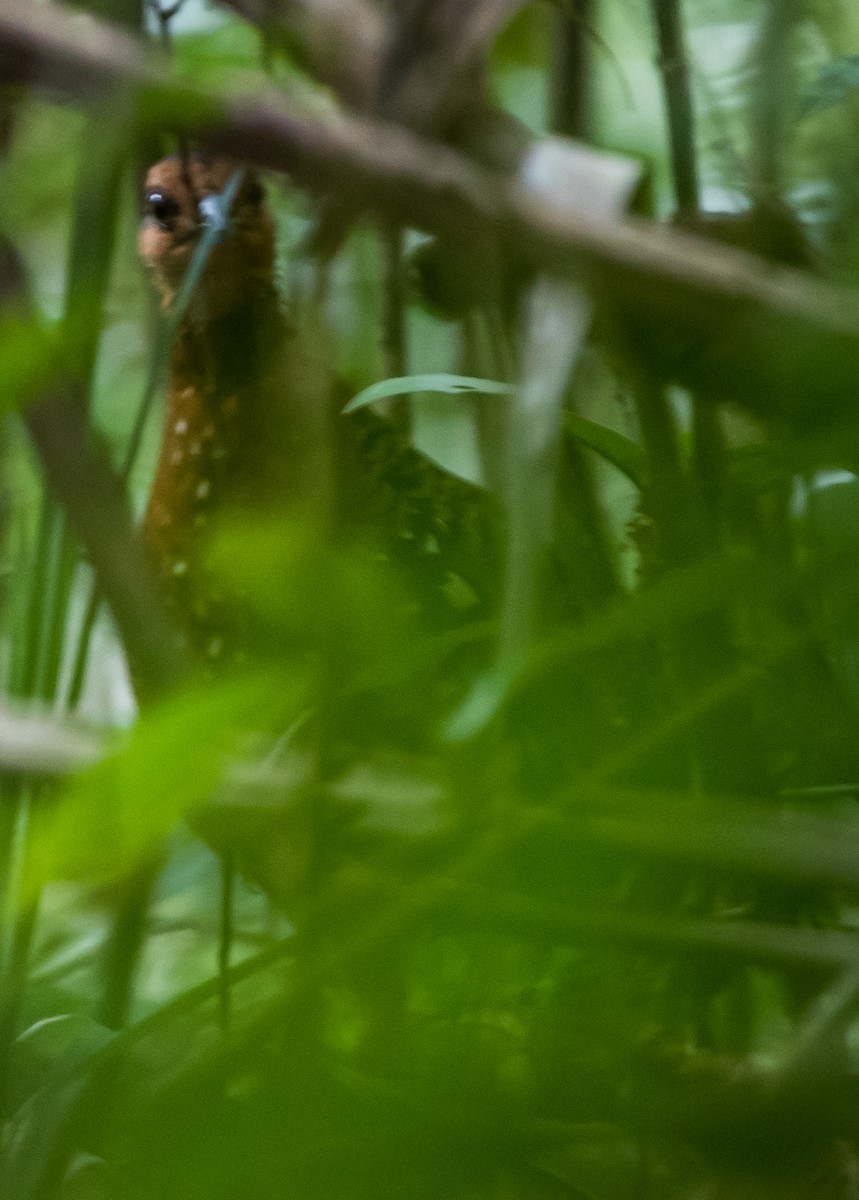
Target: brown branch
<point>94,501</point>
<point>341,42</point>
<point>766,329</point>
<point>93,498</point>
<point>418,67</point>
<point>432,67</point>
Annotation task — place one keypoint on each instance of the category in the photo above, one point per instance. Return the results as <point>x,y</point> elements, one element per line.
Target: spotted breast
<point>225,436</point>
<point>252,419</point>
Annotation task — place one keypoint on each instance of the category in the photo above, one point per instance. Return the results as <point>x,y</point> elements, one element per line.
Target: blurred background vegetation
<point>533,875</point>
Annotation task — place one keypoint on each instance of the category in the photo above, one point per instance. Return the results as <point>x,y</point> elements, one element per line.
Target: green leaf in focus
<point>440,383</point>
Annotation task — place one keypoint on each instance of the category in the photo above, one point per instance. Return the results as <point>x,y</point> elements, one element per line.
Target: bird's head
<point>178,206</point>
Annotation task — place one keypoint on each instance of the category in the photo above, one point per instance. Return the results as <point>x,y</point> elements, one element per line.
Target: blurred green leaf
<point>53,1058</point>
<point>481,705</point>
<point>785,845</point>
<point>113,817</point>
<point>28,360</point>
<point>559,924</point>
<point>628,456</point>
<point>834,83</point>
<point>317,598</point>
<point>209,57</point>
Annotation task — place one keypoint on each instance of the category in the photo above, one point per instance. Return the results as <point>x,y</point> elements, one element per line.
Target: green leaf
<point>114,816</point>
<point>482,704</point>
<point>52,1060</point>
<point>623,453</point>
<point>28,360</point>
<point>798,847</point>
<point>833,85</point>
<point>310,596</point>
<point>405,385</point>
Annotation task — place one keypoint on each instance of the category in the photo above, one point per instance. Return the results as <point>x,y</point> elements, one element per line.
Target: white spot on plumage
<point>181,425</point>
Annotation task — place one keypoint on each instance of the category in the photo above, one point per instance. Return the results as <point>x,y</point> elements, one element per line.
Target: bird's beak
<point>215,215</point>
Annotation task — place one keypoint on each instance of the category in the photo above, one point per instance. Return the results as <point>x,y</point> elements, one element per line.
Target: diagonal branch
<point>775,338</point>
<point>94,501</point>
<point>93,497</point>
<point>340,42</point>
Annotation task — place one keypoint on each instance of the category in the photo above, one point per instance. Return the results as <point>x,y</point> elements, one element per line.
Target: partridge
<point>252,421</point>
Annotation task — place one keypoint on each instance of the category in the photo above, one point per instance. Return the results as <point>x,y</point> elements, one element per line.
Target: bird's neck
<point>227,352</point>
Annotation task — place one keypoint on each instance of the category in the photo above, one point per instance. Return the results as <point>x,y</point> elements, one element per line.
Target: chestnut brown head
<point>175,215</point>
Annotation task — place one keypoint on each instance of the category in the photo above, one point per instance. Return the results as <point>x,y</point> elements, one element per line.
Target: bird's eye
<point>163,208</point>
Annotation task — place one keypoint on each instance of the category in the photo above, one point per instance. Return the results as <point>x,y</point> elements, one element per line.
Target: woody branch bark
<point>94,501</point>
<point>778,330</point>
<point>341,44</point>
<point>419,64</point>
<point>92,495</point>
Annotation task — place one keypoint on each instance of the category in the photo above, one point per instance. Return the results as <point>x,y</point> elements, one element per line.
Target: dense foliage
<point>513,849</point>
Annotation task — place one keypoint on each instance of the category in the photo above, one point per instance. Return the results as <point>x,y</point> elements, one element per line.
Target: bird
<point>253,419</point>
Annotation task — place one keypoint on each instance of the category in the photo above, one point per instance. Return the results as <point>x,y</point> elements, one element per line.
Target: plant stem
<point>570,76</point>
<point>707,437</point>
<point>124,942</point>
<point>674,69</point>
<point>708,450</point>
<point>394,320</point>
<point>225,937</point>
<point>16,928</point>
<point>772,98</point>
<point>25,651</point>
